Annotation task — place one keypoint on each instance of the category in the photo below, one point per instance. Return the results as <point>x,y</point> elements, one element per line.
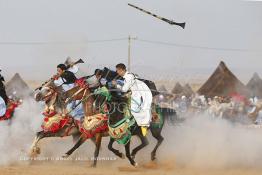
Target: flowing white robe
<point>141,99</point>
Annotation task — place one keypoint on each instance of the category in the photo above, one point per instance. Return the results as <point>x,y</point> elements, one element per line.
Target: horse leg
<point>34,148</point>
<point>144,143</point>
<point>80,141</point>
<point>76,137</point>
<point>40,135</point>
<point>98,145</point>
<point>156,133</point>
<point>116,152</point>
<point>128,155</point>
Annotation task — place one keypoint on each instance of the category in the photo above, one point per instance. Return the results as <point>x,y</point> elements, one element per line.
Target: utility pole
<point>129,52</point>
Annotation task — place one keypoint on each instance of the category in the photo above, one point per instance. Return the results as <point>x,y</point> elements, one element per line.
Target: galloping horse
<point>54,100</point>
<point>118,115</point>
<point>57,100</point>
<point>121,123</point>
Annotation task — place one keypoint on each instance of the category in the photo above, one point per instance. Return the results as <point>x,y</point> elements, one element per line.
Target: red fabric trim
<point>82,83</point>
<point>239,98</point>
<point>55,126</point>
<point>10,111</point>
<point>49,114</point>
<point>92,133</point>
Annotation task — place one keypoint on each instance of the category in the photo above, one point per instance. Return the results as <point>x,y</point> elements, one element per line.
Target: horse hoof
<point>38,151</point>
<point>135,165</point>
<point>35,151</point>
<point>153,157</point>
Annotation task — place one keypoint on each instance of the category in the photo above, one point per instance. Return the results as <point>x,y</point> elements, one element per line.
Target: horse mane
<point>60,99</point>
<point>116,110</point>
<point>110,75</point>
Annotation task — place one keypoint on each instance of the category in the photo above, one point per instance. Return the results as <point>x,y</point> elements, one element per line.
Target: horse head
<point>47,93</point>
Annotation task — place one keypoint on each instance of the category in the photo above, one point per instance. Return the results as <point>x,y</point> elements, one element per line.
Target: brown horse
<point>57,100</point>
<point>91,107</point>
<point>54,101</point>
<point>115,112</point>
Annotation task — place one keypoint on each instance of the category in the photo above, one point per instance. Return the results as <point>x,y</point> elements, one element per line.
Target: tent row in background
<point>222,82</point>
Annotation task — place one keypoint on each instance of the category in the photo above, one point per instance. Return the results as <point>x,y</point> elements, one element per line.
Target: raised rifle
<point>51,79</point>
<point>171,22</point>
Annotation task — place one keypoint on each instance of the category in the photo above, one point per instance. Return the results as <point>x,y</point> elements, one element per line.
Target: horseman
<point>141,97</point>
<point>66,78</point>
<point>97,79</point>
<point>4,98</point>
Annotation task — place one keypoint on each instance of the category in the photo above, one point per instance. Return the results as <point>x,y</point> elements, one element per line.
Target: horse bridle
<point>53,92</point>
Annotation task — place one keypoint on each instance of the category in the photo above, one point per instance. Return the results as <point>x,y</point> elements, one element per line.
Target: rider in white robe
<point>141,98</point>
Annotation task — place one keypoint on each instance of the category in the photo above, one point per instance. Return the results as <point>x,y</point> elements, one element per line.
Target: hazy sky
<point>62,28</point>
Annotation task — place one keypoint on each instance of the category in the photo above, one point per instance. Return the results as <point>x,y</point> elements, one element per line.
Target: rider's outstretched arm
<point>128,83</point>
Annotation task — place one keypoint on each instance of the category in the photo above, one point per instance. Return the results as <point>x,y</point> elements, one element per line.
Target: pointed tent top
<point>255,85</point>
<point>189,88</point>
<point>222,67</point>
<point>16,77</point>
<point>18,85</point>
<point>254,80</point>
<point>162,88</point>
<point>178,89</point>
<point>222,64</point>
<point>223,83</point>
<point>256,76</point>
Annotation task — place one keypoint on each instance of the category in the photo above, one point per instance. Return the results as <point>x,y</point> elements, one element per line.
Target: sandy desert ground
<point>164,168</point>
<point>187,150</point>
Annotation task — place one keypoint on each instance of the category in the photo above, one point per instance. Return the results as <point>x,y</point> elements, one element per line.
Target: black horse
<point>117,112</point>
<point>117,106</point>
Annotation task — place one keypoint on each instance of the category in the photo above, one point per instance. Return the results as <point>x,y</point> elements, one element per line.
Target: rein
<point>82,100</point>
<point>50,94</point>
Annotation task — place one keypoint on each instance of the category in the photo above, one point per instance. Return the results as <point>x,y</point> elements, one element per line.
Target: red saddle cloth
<point>91,125</point>
<point>82,83</point>
<point>54,122</point>
<point>9,111</point>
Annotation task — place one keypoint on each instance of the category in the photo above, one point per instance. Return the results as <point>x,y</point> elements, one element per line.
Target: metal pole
<point>129,52</point>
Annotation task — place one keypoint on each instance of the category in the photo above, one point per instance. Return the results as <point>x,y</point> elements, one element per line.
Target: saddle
<point>54,122</point>
<point>157,116</point>
<point>91,125</point>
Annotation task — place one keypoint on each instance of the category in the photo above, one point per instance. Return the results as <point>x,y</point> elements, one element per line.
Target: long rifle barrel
<point>77,62</point>
<point>159,17</point>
